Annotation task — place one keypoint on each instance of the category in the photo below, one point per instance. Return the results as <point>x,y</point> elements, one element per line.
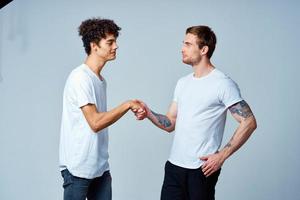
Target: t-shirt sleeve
<point>230,93</point>
<point>176,91</point>
<point>83,89</point>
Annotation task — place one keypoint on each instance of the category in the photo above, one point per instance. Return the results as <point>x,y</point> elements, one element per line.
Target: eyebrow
<point>186,42</point>
<point>111,40</point>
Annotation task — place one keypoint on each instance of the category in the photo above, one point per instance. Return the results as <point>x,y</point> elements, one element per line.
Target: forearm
<point>241,135</point>
<point>161,121</point>
<point>104,119</point>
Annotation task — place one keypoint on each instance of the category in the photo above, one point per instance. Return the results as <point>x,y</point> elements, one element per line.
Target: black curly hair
<point>93,30</point>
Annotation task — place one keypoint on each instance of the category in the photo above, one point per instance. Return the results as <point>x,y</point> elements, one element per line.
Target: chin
<point>113,58</point>
<point>186,62</point>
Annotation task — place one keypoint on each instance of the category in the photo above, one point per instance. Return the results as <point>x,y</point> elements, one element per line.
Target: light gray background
<point>258,46</point>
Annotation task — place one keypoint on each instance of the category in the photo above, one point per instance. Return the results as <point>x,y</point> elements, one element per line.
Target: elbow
<point>96,127</point>
<point>170,130</point>
<point>249,124</point>
<point>253,124</point>
<point>96,122</point>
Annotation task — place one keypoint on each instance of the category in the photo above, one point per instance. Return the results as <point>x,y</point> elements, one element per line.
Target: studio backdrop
<point>258,47</point>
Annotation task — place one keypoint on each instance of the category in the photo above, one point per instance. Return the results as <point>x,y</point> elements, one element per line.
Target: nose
<point>182,49</point>
<point>116,46</point>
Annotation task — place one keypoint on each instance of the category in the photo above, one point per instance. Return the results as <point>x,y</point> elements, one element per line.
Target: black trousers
<point>188,184</point>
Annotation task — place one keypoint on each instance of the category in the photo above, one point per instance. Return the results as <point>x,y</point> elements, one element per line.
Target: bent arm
<point>247,124</point>
<point>100,120</point>
<point>165,122</point>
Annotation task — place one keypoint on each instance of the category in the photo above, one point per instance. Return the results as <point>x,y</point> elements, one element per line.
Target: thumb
<point>204,158</point>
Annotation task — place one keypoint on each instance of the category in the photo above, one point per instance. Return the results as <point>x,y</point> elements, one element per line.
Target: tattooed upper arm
<point>241,109</point>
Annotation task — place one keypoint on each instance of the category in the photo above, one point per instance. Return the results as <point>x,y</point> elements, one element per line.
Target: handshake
<point>139,108</point>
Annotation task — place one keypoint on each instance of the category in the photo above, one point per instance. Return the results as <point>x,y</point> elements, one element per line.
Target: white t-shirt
<point>201,115</point>
<point>83,152</point>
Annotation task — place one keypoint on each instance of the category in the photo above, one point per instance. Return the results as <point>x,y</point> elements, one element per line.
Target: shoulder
<point>79,74</point>
<point>79,78</point>
<point>224,80</point>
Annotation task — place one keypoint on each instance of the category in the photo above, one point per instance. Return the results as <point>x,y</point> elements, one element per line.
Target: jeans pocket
<point>107,176</point>
<point>68,178</point>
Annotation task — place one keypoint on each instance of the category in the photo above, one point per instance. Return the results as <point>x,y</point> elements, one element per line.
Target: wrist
<point>149,114</point>
<point>128,105</point>
<point>224,154</point>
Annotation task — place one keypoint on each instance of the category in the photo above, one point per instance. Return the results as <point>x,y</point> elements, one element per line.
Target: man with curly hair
<point>83,154</point>
<point>197,115</point>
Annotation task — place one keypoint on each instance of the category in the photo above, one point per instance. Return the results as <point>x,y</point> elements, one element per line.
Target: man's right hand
<point>136,107</point>
<point>166,122</point>
<point>142,115</point>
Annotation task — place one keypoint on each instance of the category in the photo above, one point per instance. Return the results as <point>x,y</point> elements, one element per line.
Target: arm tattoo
<point>228,145</point>
<point>162,119</point>
<point>242,109</point>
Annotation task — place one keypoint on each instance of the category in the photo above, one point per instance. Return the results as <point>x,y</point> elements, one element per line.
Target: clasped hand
<point>140,109</point>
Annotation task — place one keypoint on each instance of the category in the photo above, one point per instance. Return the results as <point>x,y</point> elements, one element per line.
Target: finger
<point>204,158</point>
<point>210,173</point>
<point>140,114</point>
<point>206,168</point>
<point>141,110</point>
<point>140,118</point>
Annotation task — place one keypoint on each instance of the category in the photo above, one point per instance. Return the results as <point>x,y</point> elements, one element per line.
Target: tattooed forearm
<point>241,108</point>
<point>228,145</point>
<point>162,119</point>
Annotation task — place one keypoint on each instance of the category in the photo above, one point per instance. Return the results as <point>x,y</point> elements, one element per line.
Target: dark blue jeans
<point>76,188</point>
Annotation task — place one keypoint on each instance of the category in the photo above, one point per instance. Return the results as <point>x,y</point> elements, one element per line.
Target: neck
<point>95,64</point>
<point>203,68</point>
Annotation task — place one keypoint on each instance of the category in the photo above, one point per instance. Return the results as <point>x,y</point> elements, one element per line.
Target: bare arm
<point>247,124</point>
<point>165,122</point>
<point>100,120</point>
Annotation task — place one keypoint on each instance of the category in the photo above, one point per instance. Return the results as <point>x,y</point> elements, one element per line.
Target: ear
<point>93,46</point>
<point>204,50</point>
